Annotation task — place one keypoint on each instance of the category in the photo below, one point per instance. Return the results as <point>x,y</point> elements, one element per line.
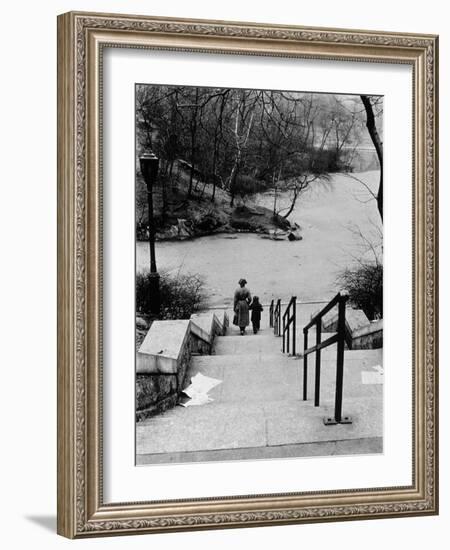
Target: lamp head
<point>149,166</point>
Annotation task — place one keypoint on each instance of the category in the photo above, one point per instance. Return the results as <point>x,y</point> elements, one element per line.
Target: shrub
<point>364,284</point>
<point>181,294</point>
<point>246,185</point>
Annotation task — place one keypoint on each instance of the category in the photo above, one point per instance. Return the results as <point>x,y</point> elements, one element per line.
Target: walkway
<point>258,411</point>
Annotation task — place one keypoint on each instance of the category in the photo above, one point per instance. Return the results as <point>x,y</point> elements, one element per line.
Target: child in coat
<point>256,309</point>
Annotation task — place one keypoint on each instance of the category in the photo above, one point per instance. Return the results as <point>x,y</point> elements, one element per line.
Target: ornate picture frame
<point>82,38</point>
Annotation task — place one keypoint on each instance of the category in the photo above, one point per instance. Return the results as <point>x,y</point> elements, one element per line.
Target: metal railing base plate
<point>330,421</point>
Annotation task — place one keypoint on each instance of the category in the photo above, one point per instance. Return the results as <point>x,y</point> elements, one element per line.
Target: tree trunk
<point>172,177</point>
<point>214,169</point>
<point>164,182</point>
<point>216,144</point>
<point>291,208</point>
<point>193,142</point>
<point>233,176</point>
<point>375,137</point>
<point>191,179</point>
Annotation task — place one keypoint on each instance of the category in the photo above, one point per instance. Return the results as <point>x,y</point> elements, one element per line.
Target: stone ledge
<point>162,347</point>
<point>203,326</point>
<point>164,356</point>
<point>208,325</point>
<point>369,336</point>
<point>374,326</point>
<point>360,332</point>
<point>354,319</point>
<point>222,316</point>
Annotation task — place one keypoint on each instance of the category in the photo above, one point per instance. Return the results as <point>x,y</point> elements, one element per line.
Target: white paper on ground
<point>199,399</point>
<point>199,388</point>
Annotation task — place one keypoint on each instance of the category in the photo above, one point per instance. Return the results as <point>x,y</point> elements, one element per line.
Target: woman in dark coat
<point>242,299</point>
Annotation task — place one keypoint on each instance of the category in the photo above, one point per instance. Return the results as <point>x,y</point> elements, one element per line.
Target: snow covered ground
<point>330,216</point>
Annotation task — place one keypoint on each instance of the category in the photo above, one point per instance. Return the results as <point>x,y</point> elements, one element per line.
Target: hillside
<point>180,217</point>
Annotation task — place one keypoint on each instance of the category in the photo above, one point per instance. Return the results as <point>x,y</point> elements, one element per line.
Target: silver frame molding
<point>81,510</point>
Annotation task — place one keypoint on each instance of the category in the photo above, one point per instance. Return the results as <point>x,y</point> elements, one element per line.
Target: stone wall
<point>360,333</point>
<point>157,392</point>
<point>164,357</point>
<point>154,394</point>
<point>368,337</point>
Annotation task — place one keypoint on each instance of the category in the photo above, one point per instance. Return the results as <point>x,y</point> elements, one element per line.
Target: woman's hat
<point>242,282</point>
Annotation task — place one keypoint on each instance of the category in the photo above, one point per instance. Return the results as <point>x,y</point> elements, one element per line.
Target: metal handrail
<point>290,318</point>
<point>277,318</point>
<point>340,300</point>
<point>271,314</point>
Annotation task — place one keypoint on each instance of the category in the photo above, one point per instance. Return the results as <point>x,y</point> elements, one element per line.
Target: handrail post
<point>339,300</point>
<point>279,316</point>
<point>305,365</point>
<point>340,361</point>
<point>294,326</point>
<point>289,318</point>
<point>317,375</point>
<point>276,318</point>
<point>338,419</point>
<point>286,328</point>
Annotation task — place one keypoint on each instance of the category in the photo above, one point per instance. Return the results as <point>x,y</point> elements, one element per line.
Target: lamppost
<point>149,167</point>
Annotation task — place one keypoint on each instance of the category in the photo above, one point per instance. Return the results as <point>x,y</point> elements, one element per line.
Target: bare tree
<point>246,141</point>
<point>242,127</point>
<point>369,102</point>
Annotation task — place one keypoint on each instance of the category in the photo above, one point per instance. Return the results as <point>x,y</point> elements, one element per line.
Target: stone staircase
<point>258,411</point>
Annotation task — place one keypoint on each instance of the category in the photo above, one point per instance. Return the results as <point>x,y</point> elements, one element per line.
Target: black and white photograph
<point>223,236</point>
<point>259,274</point>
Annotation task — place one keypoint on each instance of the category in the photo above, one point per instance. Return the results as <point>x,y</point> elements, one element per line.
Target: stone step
<point>346,447</point>
<point>259,403</point>
<point>363,356</point>
<point>361,378</point>
<point>266,342</point>
<point>249,343</point>
<point>250,378</point>
<point>238,360</point>
<point>258,424</point>
<point>267,377</point>
<point>235,331</point>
